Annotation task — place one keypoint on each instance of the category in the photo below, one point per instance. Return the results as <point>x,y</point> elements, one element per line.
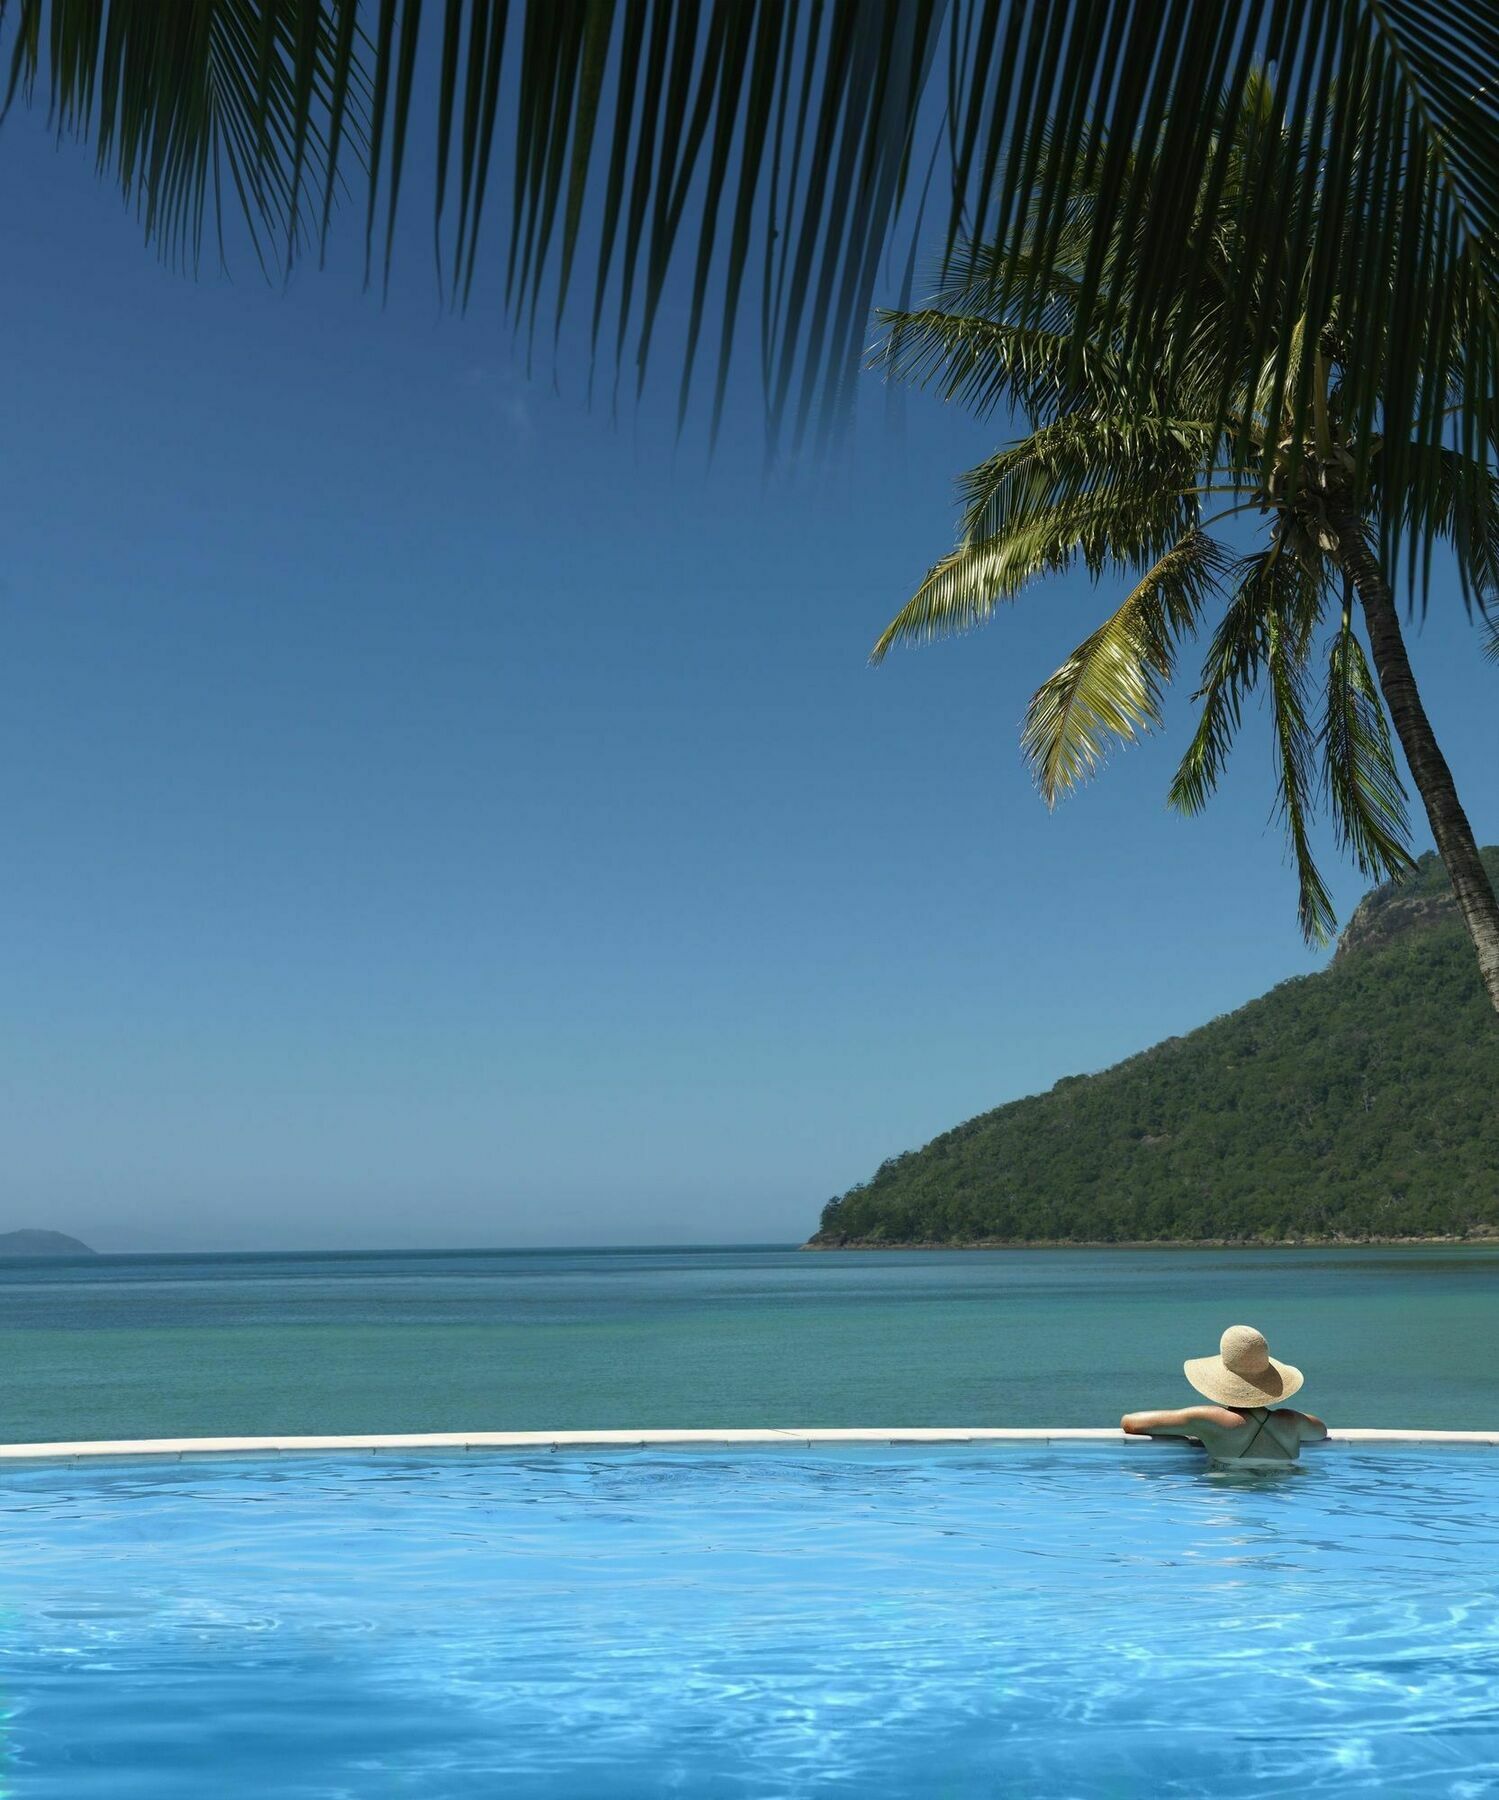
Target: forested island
<point>1359,1104</point>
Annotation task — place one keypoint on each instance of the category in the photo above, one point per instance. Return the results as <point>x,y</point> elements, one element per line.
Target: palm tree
<point>1126,468</point>
<point>772,144</point>
<point>776,140</point>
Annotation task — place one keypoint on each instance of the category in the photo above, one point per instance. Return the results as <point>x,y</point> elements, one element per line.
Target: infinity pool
<point>870,1623</point>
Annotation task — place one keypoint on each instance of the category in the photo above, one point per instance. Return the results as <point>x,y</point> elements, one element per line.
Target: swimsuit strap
<point>1263,1421</point>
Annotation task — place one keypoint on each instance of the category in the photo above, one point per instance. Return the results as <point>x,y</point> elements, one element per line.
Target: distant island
<point>42,1243</point>
<point>1356,1105</point>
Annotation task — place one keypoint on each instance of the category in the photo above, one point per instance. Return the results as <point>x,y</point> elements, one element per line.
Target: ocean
<point>146,1346</point>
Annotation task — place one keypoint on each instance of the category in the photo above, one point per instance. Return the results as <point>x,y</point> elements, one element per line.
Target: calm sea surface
<point>511,1340</point>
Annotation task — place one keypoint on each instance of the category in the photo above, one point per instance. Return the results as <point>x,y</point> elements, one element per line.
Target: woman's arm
<point>1311,1428</point>
<point>1148,1424</point>
<point>1184,1423</point>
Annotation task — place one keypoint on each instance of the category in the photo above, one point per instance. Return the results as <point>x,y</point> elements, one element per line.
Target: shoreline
<point>1489,1239</point>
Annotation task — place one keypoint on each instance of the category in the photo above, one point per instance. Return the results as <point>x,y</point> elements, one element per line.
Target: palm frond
<point>1098,529</point>
<point>1230,672</point>
<point>1110,687</point>
<point>1150,462</point>
<point>1457,500</point>
<point>777,134</point>
<point>195,108</point>
<point>1285,666</point>
<point>984,363</point>
<point>1274,606</point>
<point>1361,779</point>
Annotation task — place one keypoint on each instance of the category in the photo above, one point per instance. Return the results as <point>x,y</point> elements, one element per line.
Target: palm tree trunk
<point>1428,767</point>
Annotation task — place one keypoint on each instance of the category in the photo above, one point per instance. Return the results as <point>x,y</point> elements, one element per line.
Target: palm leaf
<point>1391,194</point>
<point>1267,586</point>
<point>1284,600</point>
<point>1232,668</point>
<point>1456,500</point>
<point>1362,781</point>
<point>1150,461</point>
<point>193,105</point>
<point>986,363</point>
<point>1098,529</point>
<point>1110,687</point>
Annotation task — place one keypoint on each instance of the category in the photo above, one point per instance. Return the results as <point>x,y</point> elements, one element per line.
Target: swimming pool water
<point>866,1622</point>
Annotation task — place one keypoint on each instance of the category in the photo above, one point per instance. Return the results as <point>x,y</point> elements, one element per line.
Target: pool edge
<point>806,1436</point>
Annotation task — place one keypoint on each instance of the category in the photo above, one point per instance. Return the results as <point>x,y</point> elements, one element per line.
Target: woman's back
<point>1257,1437</point>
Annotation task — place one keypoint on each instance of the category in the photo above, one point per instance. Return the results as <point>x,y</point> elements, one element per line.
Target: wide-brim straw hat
<point>1244,1373</point>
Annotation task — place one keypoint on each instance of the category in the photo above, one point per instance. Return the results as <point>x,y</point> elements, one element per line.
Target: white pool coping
<point>646,1440</point>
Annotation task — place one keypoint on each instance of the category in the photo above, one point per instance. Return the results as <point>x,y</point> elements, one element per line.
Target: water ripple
<point>878,1623</point>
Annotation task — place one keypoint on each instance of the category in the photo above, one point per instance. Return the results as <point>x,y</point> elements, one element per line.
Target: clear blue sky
<point>434,815</point>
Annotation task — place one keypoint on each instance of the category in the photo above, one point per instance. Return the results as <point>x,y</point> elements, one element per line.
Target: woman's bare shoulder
<point>1143,1424</point>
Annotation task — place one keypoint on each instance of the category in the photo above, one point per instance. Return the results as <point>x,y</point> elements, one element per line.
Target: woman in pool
<point>1246,1422</point>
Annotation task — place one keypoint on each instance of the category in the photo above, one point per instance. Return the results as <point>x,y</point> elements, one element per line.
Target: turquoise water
<point>141,1347</point>
<point>779,1623</point>
<point>884,1624</point>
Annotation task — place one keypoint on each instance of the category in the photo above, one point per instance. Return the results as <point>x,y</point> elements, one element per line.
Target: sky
<point>436,813</point>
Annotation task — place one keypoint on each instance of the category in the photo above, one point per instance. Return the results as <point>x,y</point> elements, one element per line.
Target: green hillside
<point>1360,1102</point>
